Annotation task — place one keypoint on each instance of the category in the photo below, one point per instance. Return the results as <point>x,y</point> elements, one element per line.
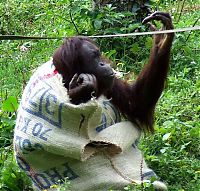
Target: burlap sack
<point>87,143</point>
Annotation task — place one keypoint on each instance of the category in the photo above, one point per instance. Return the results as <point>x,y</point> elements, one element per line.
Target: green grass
<point>173,151</point>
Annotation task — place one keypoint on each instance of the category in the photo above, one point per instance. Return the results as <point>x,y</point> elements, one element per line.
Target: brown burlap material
<point>87,143</point>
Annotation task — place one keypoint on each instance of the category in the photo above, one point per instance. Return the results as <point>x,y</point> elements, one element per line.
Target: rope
<point>20,37</point>
<point>149,33</point>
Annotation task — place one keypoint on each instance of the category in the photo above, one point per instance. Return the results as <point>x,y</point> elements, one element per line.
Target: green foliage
<point>145,186</point>
<point>173,151</point>
<point>12,178</point>
<point>35,17</point>
<point>7,120</point>
<point>10,104</point>
<point>108,20</point>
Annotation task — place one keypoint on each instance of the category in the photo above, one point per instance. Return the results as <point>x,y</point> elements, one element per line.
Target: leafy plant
<point>12,178</point>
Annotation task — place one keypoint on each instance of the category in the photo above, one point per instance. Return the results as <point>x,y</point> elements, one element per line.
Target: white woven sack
<point>53,139</point>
